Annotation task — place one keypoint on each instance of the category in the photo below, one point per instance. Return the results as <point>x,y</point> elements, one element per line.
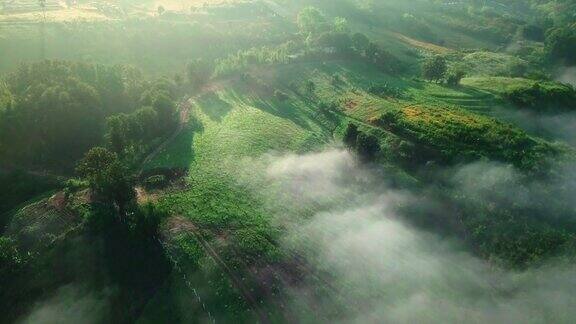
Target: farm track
<point>180,223</point>
<point>183,118</point>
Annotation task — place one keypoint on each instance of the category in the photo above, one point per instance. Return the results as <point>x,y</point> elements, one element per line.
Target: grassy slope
<point>237,123</point>
<point>244,122</point>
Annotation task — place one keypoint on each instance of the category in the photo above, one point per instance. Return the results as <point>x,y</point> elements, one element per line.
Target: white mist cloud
<point>382,270</point>
<point>553,126</point>
<point>567,75</point>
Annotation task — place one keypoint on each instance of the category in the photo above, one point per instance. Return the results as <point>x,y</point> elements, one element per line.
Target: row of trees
<point>436,69</point>
<point>335,36</point>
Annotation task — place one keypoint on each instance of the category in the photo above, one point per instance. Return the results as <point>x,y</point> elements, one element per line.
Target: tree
<point>454,77</point>
<point>434,68</point>
<point>360,42</point>
<point>166,110</point>
<point>341,25</point>
<point>367,146</point>
<point>351,135</point>
<point>108,178</point>
<point>311,21</point>
<point>116,134</point>
<point>161,10</point>
<point>560,44</point>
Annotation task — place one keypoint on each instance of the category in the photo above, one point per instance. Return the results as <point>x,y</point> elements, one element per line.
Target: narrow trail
<point>184,108</point>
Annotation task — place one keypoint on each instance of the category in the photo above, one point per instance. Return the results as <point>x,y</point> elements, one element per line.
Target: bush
<point>74,185</point>
<point>543,96</point>
<point>453,78</point>
<point>434,68</point>
<point>385,90</point>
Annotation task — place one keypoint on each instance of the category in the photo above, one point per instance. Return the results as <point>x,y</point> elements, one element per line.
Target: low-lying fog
<point>386,270</point>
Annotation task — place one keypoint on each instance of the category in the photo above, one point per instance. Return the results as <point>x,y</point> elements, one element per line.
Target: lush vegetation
<point>174,154</point>
<point>59,110</point>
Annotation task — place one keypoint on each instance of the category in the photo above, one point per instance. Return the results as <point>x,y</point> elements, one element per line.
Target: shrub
<point>543,96</point>
<point>454,77</point>
<point>385,90</point>
<point>434,68</point>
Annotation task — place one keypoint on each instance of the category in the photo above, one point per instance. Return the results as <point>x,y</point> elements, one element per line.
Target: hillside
<point>286,161</point>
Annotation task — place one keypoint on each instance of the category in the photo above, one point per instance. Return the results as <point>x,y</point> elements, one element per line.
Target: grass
<point>178,154</point>
<point>491,64</point>
<point>226,148</point>
<point>239,124</point>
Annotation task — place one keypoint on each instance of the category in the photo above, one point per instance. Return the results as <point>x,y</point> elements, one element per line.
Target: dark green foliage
<point>341,42</point>
<point>11,259</point>
<point>280,95</point>
<point>6,97</point>
<point>453,77</point>
<point>108,178</point>
<point>434,68</point>
<point>385,90</point>
<point>127,130</point>
<point>144,222</point>
<point>59,111</point>
<point>132,135</point>
<point>310,86</point>
<point>543,97</point>
<point>360,42</point>
<point>166,110</point>
<point>351,135</point>
<point>365,145</point>
<point>533,32</point>
<point>560,44</point>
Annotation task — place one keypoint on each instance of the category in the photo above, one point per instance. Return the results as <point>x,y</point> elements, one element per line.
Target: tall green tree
<point>434,68</point>
<point>109,179</point>
<point>311,21</point>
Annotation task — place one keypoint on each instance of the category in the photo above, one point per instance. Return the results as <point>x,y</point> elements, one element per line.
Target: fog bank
<point>382,269</point>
